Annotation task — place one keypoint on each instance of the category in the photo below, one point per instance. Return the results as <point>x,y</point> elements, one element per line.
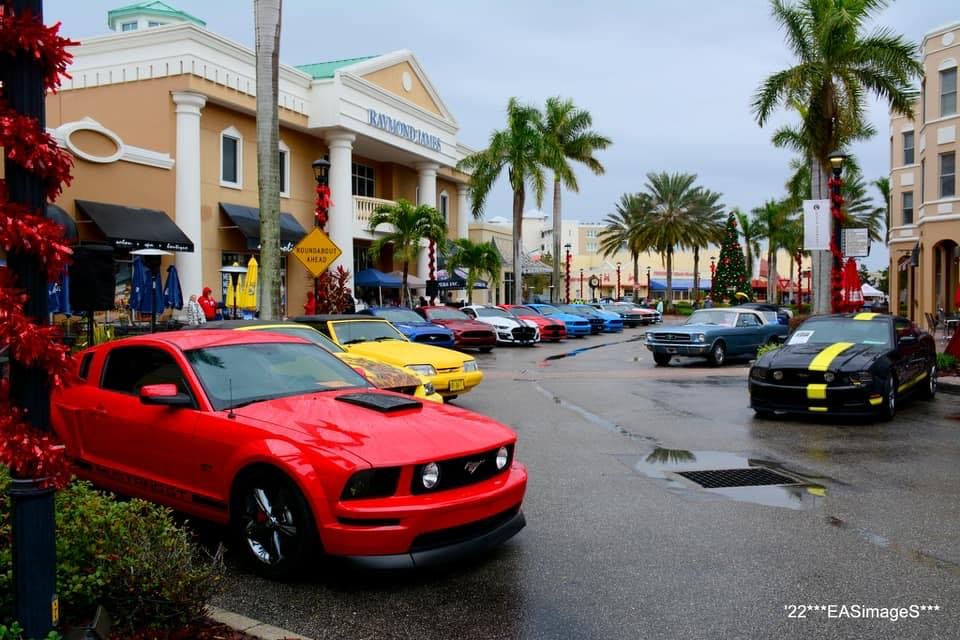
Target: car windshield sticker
<point>800,337</point>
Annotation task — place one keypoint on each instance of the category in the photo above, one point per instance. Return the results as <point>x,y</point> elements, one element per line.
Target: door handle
<point>100,410</point>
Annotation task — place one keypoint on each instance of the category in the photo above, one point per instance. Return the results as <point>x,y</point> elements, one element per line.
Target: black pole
<point>835,293</point>
<point>153,302</point>
<point>34,551</point>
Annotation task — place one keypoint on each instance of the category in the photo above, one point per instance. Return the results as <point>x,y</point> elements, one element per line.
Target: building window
<point>591,233</point>
<point>908,147</point>
<point>948,174</point>
<point>284,170</point>
<point>591,246</point>
<point>128,26</point>
<point>231,158</point>
<point>444,206</point>
<point>153,23</point>
<point>948,92</point>
<point>364,183</point>
<point>908,207</point>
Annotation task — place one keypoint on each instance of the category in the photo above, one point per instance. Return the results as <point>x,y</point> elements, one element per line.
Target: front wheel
<point>888,408</point>
<point>273,524</point>
<point>486,349</point>
<point>718,355</point>
<point>929,390</point>
<point>662,359</point>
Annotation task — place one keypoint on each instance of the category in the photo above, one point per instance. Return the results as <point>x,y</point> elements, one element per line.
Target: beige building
<point>160,119</point>
<point>925,207</point>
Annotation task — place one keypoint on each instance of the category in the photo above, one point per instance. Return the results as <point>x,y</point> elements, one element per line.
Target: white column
<point>340,224</point>
<point>187,200</point>
<point>463,211</point>
<point>428,195</point>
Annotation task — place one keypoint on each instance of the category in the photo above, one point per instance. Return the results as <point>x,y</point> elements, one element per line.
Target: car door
<point>910,352</point>
<point>748,335</point>
<point>145,449</point>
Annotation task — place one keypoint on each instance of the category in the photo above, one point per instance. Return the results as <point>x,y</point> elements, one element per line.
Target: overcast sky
<point>669,82</point>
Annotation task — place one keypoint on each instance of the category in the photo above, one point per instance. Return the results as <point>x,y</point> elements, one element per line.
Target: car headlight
<point>371,483</point>
<point>861,378</point>
<point>828,376</point>
<point>700,337</point>
<point>758,373</point>
<point>423,369</point>
<point>778,375</point>
<point>503,456</point>
<point>470,366</point>
<point>430,475</point>
<point>428,388</point>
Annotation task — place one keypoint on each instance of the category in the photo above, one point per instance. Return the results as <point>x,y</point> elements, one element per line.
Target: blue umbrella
<point>58,295</point>
<point>172,294</point>
<point>142,287</point>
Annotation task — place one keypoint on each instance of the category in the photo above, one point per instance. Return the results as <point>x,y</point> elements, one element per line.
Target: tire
<point>888,409</point>
<point>486,349</point>
<point>763,414</point>
<point>662,359</point>
<point>718,355</point>
<point>929,391</point>
<point>272,524</point>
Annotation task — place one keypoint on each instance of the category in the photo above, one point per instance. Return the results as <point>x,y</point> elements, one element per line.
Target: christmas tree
<point>731,275</point>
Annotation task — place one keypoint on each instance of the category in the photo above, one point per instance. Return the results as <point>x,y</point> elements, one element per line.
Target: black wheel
<point>662,359</point>
<point>486,349</point>
<point>929,390</point>
<point>888,407</point>
<point>273,524</point>
<point>763,414</point>
<point>718,355</point>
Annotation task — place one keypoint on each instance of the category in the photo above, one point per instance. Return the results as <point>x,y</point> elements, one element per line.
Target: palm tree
<point>883,186</point>
<point>751,237</point>
<point>711,223</point>
<point>671,221</point>
<point>859,208</point>
<point>478,258</point>
<point>837,68</point>
<point>267,34</point>
<point>622,230</point>
<point>520,149</point>
<point>410,226</point>
<point>771,218</point>
<point>566,130</point>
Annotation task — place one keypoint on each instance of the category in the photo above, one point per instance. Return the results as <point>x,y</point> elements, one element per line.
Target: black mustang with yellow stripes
<point>856,364</point>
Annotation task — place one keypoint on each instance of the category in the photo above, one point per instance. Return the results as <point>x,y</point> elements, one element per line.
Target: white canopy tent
<point>870,291</point>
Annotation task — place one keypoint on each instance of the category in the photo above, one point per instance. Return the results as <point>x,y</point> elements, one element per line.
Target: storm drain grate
<point>718,478</point>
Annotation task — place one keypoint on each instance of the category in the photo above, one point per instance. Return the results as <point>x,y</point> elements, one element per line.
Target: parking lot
<point>619,546</point>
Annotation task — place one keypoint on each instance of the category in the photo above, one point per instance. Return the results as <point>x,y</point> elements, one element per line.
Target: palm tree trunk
<point>771,274</point>
<point>669,303</point>
<point>636,277</point>
<point>557,220</point>
<point>820,261</point>
<point>696,274</point>
<point>519,196</point>
<point>267,34</point>
<point>405,293</point>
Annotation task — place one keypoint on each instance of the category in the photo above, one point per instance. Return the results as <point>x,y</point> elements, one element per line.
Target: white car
<point>509,329</point>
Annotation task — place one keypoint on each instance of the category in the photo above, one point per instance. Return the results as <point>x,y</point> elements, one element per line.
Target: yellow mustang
<point>451,372</point>
<point>382,375</point>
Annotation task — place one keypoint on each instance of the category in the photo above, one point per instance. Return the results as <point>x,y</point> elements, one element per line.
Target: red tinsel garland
<point>25,450</point>
<point>24,33</point>
<point>836,275</point>
<point>323,205</point>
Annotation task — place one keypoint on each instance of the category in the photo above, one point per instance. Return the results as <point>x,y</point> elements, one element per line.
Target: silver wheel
<point>930,390</point>
<point>718,354</point>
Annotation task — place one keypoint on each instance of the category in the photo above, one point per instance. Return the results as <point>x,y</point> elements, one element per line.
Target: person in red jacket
<point>208,304</point>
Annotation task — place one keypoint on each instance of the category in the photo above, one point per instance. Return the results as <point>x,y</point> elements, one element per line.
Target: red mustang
<point>292,448</point>
<point>550,330</point>
<point>467,332</point>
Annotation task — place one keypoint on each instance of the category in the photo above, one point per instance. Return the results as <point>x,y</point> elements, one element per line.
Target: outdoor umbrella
<point>247,295</point>
<point>142,287</point>
<point>172,294</point>
<point>58,295</point>
<point>373,278</point>
<point>852,293</point>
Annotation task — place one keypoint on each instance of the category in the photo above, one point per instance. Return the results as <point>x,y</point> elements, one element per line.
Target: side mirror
<point>361,372</point>
<point>778,339</point>
<point>165,395</point>
<point>907,339</point>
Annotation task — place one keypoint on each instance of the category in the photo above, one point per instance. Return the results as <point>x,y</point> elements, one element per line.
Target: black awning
<point>136,228</point>
<point>61,217</point>
<point>247,220</point>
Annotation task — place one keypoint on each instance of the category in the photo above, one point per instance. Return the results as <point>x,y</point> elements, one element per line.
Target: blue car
<point>612,322</point>
<point>413,326</point>
<point>576,325</point>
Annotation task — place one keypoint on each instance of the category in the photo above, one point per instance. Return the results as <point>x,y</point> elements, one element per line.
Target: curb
<point>251,626</point>
<point>949,385</point>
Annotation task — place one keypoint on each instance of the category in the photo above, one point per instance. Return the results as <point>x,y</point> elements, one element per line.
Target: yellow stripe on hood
<point>823,359</point>
<point>865,316</point>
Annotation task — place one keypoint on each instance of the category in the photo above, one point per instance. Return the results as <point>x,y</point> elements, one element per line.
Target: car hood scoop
<point>379,401</point>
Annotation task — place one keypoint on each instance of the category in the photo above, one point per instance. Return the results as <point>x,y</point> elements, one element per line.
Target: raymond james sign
<point>402,129</point>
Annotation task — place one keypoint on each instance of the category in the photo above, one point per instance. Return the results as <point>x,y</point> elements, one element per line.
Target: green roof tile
<point>320,70</point>
<point>152,7</point>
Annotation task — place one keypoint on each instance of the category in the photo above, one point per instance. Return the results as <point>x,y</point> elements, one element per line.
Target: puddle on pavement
<point>916,555</point>
<point>664,464</point>
<point>571,354</point>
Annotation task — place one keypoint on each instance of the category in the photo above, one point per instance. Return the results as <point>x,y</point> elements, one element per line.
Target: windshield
<point>353,331</point>
<point>548,310</point>
<point>491,312</point>
<point>842,330</point>
<point>523,311</point>
<point>569,308</point>
<point>398,315</point>
<point>446,313</point>
<point>238,375</point>
<point>713,316</point>
<point>307,333</point>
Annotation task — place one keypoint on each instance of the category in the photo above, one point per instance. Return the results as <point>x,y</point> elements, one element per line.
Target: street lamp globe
<point>321,169</point>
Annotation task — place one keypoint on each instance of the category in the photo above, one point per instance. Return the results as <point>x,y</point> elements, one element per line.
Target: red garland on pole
<point>431,259</point>
<point>836,274</point>
<point>323,205</point>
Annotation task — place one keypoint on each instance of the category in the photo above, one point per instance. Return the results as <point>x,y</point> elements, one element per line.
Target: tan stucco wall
<point>391,79</point>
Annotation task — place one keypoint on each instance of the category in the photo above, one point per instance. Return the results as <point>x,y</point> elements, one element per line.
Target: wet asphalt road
<point>615,549</point>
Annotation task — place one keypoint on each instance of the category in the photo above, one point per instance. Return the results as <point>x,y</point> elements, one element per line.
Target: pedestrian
<point>423,301</point>
<point>708,303</point>
<point>208,304</point>
<point>195,314</point>
<point>310,306</point>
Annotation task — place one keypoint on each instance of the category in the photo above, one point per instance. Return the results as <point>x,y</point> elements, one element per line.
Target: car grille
<point>464,532</point>
<point>431,337</point>
<point>523,333</point>
<point>671,337</point>
<point>449,370</point>
<point>552,330</point>
<point>476,335</point>
<point>580,324</point>
<point>797,376</point>
<point>456,472</point>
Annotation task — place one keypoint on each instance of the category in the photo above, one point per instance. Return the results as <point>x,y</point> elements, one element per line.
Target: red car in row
<point>293,449</point>
<point>467,332</point>
<point>550,330</point>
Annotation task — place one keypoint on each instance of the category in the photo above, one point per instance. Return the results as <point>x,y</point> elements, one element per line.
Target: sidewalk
<point>949,384</point>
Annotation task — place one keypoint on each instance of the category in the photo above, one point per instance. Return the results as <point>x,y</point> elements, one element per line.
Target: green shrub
<point>129,556</point>
<point>15,632</point>
<point>946,361</point>
<point>773,346</point>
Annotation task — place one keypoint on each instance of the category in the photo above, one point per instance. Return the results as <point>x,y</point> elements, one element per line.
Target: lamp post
<point>649,289</point>
<point>152,259</point>
<point>581,285</point>
<point>713,273</point>
<point>321,173</point>
<point>234,270</point>
<point>568,259</point>
<point>618,281</point>
<point>836,210</point>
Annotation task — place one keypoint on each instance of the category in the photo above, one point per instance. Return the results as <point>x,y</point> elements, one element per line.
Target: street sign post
<point>316,251</point>
<point>816,225</point>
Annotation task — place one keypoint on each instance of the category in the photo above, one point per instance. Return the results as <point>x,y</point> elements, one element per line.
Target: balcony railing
<point>363,208</point>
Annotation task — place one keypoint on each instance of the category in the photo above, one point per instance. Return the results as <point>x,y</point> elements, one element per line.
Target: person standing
<point>208,304</point>
<point>195,314</point>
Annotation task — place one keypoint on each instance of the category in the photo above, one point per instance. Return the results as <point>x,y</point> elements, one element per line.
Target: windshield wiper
<point>382,338</point>
<point>244,403</point>
<point>356,340</point>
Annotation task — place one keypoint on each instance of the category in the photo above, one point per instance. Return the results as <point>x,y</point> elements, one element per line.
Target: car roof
<point>189,339</point>
<point>240,324</point>
<point>337,317</point>
<point>859,316</point>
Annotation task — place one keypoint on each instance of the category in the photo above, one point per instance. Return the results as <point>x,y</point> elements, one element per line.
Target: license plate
<point>671,349</point>
<point>456,385</point>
